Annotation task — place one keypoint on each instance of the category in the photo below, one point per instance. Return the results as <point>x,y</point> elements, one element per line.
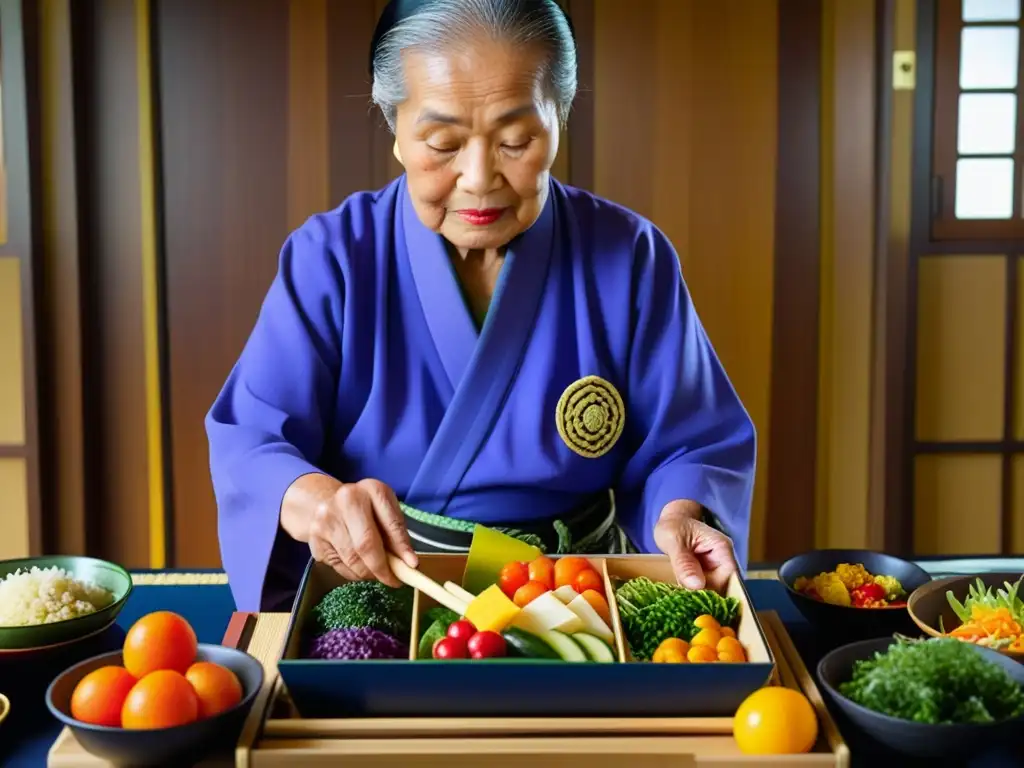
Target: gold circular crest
<point>590,416</point>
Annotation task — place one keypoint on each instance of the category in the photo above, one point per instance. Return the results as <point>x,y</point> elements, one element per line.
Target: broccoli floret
<point>365,604</point>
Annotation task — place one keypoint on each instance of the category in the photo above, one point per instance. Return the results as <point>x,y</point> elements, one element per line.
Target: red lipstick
<point>481,218</point>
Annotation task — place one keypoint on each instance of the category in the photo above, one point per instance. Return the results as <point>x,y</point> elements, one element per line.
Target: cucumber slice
<point>564,645</point>
<point>527,645</point>
<point>595,648</point>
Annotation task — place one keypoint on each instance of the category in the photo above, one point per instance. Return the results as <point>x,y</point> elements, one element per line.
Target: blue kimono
<point>591,372</point>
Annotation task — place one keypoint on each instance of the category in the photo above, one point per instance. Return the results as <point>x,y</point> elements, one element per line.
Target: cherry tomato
<point>588,579</point>
<point>513,575</point>
<point>527,593</point>
<point>567,568</point>
<point>450,648</point>
<point>486,645</point>
<point>461,630</point>
<point>543,570</point>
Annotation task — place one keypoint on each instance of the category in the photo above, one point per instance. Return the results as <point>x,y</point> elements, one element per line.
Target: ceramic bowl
<point>850,622</point>
<point>929,604</point>
<point>180,745</point>
<point>39,637</point>
<point>923,740</point>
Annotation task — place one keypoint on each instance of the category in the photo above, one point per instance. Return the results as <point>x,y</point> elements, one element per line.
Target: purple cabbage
<point>359,643</point>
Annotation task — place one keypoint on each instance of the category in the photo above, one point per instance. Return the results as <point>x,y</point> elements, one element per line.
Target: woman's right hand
<point>352,530</point>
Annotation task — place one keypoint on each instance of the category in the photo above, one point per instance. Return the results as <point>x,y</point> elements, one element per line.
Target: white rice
<point>47,595</point>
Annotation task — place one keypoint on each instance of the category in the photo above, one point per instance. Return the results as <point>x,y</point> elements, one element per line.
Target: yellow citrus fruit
<point>708,637</point>
<point>701,653</point>
<point>727,632</point>
<point>730,645</point>
<point>731,658</point>
<point>775,721</point>
<point>671,651</point>
<point>706,622</point>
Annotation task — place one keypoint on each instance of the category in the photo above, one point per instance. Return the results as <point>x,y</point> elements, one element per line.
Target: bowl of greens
<point>986,610</point>
<point>929,698</point>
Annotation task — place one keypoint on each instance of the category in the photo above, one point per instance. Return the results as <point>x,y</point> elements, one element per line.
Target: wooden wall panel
<point>957,505</point>
<point>223,83</point>
<point>265,120</point>
<point>1018,410</point>
<point>847,280</point>
<point>111,212</point>
<point>961,340</point>
<point>685,133</point>
<point>12,369</point>
<point>62,334</point>
<point>1017,527</point>
<point>14,509</point>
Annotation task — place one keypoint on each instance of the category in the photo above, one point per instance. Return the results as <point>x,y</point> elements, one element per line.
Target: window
<point>978,157</point>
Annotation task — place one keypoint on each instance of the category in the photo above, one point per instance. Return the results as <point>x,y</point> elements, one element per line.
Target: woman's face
<point>477,136</point>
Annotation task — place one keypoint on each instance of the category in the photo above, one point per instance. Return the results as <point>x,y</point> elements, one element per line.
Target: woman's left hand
<point>700,555</point>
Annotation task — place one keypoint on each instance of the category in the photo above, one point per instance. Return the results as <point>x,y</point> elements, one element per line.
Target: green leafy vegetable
<point>652,611</point>
<point>938,680</point>
<point>438,620</point>
<point>359,604</point>
<point>978,595</point>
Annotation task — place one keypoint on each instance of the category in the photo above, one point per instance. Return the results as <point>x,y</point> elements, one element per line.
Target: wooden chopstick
<point>419,580</point>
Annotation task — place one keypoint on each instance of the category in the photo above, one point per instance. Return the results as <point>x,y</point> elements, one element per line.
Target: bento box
<point>522,686</point>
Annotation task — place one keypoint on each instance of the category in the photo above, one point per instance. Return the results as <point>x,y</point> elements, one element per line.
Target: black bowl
<point>925,740</point>
<point>180,745</point>
<point>848,622</point>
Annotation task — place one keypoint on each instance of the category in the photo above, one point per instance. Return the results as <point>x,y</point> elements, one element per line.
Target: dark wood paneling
<point>111,243</point>
<point>360,142</point>
<point>61,327</point>
<point>793,427</point>
<point>581,120</point>
<point>223,87</point>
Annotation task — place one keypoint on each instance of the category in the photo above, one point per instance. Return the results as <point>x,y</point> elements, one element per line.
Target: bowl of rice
<point>51,601</point>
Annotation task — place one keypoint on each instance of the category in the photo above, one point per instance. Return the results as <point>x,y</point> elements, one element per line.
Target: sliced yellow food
<point>491,611</point>
<point>592,621</point>
<point>489,551</point>
<point>547,612</point>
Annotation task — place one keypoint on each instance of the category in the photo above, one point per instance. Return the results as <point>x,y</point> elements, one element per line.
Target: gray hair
<point>442,23</point>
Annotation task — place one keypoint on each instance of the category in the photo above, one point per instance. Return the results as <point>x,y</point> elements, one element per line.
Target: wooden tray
<point>274,738</point>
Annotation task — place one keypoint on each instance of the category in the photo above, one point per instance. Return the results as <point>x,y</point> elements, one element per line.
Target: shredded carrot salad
<point>992,618</point>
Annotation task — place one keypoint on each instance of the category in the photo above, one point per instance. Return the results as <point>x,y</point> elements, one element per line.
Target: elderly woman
<point>476,343</point>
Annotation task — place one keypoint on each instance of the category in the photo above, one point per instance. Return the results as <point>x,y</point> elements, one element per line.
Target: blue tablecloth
<point>26,736</point>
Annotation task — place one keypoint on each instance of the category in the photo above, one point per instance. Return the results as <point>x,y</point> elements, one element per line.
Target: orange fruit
<point>775,721</point>
<point>216,687</point>
<point>708,637</point>
<point>731,646</point>
<point>731,658</point>
<point>542,569</point>
<point>512,576</point>
<point>727,632</point>
<point>161,640</point>
<point>701,654</point>
<point>529,592</point>
<point>672,650</point>
<point>706,621</point>
<point>567,568</point>
<point>599,604</point>
<point>98,697</point>
<point>161,699</point>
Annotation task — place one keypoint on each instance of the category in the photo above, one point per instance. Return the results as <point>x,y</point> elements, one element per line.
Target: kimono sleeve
<point>266,428</point>
<point>691,436</point>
